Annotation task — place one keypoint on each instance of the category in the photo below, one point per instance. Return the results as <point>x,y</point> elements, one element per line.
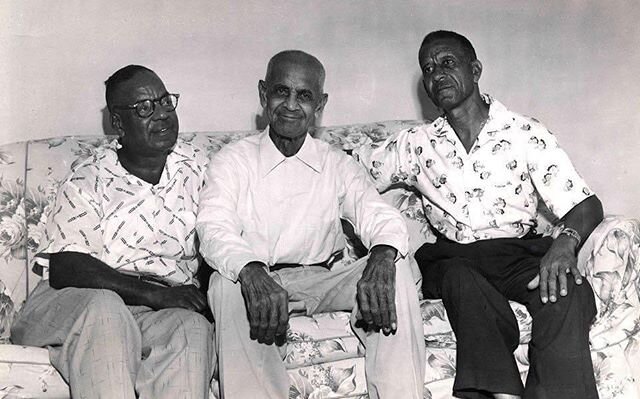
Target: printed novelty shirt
<point>258,205</point>
<point>133,226</point>
<point>490,192</point>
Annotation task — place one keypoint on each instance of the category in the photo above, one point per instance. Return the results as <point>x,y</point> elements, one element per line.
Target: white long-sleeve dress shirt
<point>258,205</point>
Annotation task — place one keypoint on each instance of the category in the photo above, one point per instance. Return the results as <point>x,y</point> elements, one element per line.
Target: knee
<point>196,329</point>
<point>108,310</point>
<point>582,296</point>
<point>456,273</point>
<point>104,302</point>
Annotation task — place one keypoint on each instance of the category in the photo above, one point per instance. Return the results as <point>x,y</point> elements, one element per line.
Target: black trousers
<point>475,282</point>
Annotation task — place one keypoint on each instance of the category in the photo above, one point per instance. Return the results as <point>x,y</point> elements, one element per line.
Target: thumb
<point>533,284</point>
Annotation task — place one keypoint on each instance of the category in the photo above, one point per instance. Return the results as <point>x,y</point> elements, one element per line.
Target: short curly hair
<point>446,34</point>
<point>121,75</point>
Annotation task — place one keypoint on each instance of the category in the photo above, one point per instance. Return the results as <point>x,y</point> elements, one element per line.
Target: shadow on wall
<point>106,122</point>
<point>428,110</point>
<point>261,120</point>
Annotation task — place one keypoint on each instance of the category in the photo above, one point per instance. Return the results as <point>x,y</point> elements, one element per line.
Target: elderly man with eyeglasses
<point>118,306</point>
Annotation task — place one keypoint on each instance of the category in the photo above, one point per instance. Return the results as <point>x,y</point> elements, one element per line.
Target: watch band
<point>572,233</point>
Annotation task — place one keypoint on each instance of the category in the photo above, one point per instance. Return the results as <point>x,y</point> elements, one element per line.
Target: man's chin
<point>289,130</point>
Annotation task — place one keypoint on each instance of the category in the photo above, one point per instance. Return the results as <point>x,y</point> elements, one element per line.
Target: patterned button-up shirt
<point>131,225</point>
<point>258,205</point>
<point>490,192</point>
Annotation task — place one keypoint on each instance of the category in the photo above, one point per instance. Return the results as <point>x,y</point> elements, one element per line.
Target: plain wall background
<point>571,64</point>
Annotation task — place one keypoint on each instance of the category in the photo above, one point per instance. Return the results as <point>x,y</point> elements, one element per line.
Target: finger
<point>393,317</point>
<point>533,284</point>
<point>553,285</point>
<point>263,324</point>
<point>365,308</point>
<point>577,277</point>
<point>562,282</point>
<point>375,309</point>
<point>385,320</point>
<point>283,316</point>
<point>273,319</point>
<point>544,292</point>
<point>253,311</point>
<point>200,301</point>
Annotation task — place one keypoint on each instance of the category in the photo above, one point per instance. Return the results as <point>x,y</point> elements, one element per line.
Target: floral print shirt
<point>131,225</point>
<point>258,205</point>
<point>490,192</point>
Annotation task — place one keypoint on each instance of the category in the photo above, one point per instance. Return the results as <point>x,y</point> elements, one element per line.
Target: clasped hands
<point>267,302</point>
<point>559,261</point>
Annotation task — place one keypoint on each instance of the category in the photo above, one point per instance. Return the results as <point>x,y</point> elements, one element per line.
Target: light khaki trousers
<point>394,364</point>
<point>106,349</point>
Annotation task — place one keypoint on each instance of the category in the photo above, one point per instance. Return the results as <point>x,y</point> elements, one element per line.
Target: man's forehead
<point>143,84</point>
<point>296,73</point>
<point>440,46</point>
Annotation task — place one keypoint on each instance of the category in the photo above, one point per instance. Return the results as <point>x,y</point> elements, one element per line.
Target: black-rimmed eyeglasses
<point>145,108</point>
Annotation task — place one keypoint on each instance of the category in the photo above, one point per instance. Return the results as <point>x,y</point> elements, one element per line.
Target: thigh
<point>49,315</point>
<point>322,289</point>
<point>157,326</point>
<point>434,271</point>
<point>515,277</point>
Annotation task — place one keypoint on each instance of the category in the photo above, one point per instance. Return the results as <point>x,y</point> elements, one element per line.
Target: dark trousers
<point>475,282</point>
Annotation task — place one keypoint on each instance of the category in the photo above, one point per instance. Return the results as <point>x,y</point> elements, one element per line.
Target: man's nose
<point>438,73</point>
<point>159,112</point>
<point>292,101</point>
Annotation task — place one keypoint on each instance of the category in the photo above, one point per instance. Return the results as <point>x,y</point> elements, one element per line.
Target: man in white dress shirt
<point>269,224</point>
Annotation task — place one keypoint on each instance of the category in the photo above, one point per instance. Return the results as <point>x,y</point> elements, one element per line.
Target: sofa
<point>323,357</point>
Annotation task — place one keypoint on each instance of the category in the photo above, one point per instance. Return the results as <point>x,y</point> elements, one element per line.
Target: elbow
<point>55,279</point>
<point>597,209</point>
<point>57,276</point>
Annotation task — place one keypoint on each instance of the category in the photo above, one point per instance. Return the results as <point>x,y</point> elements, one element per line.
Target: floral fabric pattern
<point>323,357</point>
<point>491,191</point>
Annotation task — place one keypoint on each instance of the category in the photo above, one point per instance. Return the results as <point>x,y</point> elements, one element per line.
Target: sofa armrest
<point>610,260</point>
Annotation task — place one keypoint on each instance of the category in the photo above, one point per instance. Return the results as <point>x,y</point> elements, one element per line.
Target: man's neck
<point>468,119</point>
<point>147,168</point>
<point>288,146</point>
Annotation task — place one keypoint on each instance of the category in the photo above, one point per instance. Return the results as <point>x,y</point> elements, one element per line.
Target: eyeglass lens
<point>147,107</point>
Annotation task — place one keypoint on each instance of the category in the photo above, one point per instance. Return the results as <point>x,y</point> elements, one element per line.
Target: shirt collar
<point>175,157</point>
<point>495,120</point>
<point>270,157</point>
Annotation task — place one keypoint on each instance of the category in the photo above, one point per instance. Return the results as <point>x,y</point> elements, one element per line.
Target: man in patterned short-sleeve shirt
<point>118,307</point>
<point>481,169</point>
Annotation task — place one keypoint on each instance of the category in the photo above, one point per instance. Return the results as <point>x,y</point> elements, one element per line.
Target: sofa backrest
<point>31,172</point>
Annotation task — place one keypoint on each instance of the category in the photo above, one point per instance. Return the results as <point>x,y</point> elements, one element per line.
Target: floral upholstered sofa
<point>324,358</point>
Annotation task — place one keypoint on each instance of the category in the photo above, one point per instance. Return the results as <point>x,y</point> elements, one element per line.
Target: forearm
<point>75,269</point>
<point>583,218</point>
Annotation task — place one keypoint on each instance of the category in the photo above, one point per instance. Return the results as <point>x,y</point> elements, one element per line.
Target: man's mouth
<point>289,117</point>
<point>162,130</point>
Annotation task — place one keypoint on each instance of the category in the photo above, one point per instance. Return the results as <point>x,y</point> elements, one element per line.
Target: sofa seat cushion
<point>25,372</point>
<point>437,330</point>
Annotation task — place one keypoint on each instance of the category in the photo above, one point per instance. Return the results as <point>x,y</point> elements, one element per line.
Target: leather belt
<point>327,264</point>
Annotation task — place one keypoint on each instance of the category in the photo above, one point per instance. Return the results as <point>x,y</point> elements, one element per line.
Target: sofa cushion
<point>25,372</point>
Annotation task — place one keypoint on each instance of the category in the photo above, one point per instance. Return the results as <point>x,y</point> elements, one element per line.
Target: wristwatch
<point>571,233</point>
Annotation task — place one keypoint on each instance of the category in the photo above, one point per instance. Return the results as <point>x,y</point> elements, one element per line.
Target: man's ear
<point>476,68</point>
<point>322,103</point>
<point>116,123</point>
<point>262,92</point>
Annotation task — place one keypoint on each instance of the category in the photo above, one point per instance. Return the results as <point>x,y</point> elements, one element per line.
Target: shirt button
<point>232,275</point>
